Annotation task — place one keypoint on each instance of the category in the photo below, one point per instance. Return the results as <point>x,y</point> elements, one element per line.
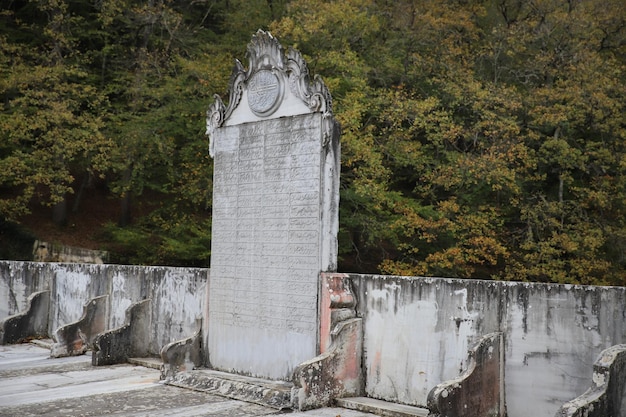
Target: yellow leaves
<point>451,261</point>
<point>341,19</point>
<point>448,240</point>
<point>562,245</point>
<point>557,152</point>
<point>390,267</point>
<point>412,224</point>
<point>50,130</point>
<point>487,174</point>
<point>332,36</point>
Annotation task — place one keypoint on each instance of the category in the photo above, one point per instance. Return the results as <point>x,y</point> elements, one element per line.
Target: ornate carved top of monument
<point>275,84</point>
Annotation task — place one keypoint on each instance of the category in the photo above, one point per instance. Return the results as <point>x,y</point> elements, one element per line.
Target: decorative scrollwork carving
<point>214,119</point>
<point>269,69</point>
<point>315,94</point>
<point>264,52</point>
<point>237,79</point>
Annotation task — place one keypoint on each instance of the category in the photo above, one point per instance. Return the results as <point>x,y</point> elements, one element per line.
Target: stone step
<point>44,343</point>
<point>275,394</point>
<point>381,408</point>
<point>154,363</point>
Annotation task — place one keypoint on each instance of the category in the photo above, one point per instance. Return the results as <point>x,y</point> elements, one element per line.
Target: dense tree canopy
<point>480,139</point>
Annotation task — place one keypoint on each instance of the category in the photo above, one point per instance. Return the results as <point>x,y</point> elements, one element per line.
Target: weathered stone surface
<point>607,395</point>
<point>76,338</point>
<point>178,304</point>
<point>335,373</point>
<point>31,323</point>
<point>275,213</point>
<point>50,252</point>
<point>383,408</point>
<point>72,284</point>
<point>418,331</point>
<point>182,355</point>
<point>479,390</point>
<point>33,385</point>
<point>18,280</point>
<point>178,294</point>
<point>117,345</point>
<point>275,394</point>
<point>337,303</point>
<point>148,362</point>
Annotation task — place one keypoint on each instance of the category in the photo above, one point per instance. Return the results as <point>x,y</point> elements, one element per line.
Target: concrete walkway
<point>32,384</point>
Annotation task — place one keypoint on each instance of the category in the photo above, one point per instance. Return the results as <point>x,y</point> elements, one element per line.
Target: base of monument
<point>154,363</point>
<point>275,394</point>
<point>44,343</point>
<point>381,408</point>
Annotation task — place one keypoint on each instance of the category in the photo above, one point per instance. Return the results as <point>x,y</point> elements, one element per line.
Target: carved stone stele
<point>274,215</point>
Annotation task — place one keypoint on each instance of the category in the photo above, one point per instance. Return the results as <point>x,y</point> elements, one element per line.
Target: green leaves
<point>51,129</point>
<point>479,140</point>
<point>163,237</point>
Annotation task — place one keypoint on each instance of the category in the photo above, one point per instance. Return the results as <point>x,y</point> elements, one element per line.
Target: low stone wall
<point>417,332</point>
<point>178,294</point>
<point>51,252</point>
<point>336,372</point>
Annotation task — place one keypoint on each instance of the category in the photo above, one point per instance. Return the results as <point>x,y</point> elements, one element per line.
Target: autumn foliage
<point>480,139</point>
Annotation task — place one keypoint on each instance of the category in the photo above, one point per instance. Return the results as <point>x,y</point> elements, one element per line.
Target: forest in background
<point>480,139</point>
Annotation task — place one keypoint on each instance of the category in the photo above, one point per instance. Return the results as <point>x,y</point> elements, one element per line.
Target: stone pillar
<point>275,213</point>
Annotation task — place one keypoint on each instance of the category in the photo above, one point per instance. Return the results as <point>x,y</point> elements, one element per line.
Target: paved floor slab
<point>382,408</point>
<point>32,384</point>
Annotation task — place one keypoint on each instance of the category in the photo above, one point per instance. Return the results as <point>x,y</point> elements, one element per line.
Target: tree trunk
<point>125,203</point>
<point>125,214</point>
<point>59,212</point>
<point>81,190</point>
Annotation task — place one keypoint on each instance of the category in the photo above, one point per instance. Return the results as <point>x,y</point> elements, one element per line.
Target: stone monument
<point>275,213</point>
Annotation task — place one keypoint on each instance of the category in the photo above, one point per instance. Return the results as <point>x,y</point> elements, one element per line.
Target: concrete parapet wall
<point>417,332</point>
<point>51,252</point>
<point>607,395</point>
<point>336,372</point>
<point>178,298</point>
<point>337,303</point>
<point>178,294</point>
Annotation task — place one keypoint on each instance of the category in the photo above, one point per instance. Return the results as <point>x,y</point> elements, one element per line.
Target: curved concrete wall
<point>417,332</point>
<point>178,294</point>
<point>18,280</point>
